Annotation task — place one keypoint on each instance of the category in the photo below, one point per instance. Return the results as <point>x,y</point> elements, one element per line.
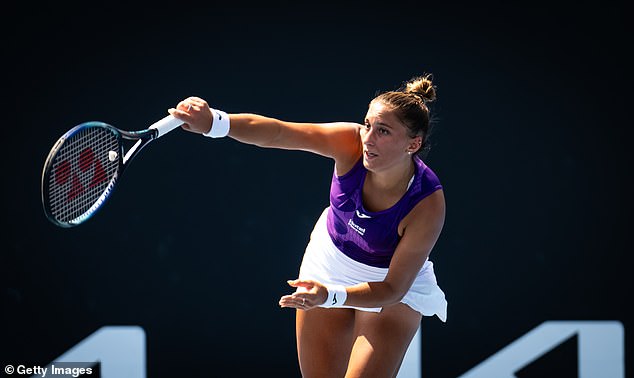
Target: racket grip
<point>166,125</point>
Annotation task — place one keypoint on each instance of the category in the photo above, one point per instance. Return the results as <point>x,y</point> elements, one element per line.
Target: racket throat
<point>133,150</point>
<point>141,137</point>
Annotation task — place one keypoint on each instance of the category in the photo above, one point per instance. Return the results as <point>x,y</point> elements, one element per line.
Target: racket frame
<point>143,137</point>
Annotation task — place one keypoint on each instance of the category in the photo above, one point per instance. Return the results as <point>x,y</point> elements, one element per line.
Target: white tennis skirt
<point>325,263</point>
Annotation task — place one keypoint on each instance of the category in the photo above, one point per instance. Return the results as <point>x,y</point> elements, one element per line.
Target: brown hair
<point>409,103</point>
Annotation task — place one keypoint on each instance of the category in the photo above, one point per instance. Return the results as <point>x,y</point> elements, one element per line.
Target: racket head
<point>80,172</point>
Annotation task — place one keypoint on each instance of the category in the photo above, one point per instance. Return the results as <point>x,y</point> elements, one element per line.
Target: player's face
<point>385,139</point>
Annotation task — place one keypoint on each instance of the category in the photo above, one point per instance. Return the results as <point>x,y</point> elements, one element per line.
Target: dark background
<point>532,145</point>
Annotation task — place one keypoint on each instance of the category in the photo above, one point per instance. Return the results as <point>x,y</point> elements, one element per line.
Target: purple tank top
<point>371,237</point>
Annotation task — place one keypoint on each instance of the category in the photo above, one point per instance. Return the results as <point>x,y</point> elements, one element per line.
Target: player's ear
<point>414,144</point>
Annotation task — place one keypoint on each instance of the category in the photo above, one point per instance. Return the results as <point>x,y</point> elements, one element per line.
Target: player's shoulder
<point>345,141</point>
<point>350,127</point>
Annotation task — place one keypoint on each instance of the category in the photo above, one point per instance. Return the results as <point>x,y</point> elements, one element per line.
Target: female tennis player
<point>365,280</point>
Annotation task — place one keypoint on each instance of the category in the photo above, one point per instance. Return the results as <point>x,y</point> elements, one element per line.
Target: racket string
<point>82,172</point>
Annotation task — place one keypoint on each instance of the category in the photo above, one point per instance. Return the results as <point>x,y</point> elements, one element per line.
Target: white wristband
<point>220,124</point>
<point>336,296</point>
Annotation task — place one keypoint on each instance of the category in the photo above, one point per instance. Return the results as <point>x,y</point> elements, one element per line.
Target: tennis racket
<point>85,164</point>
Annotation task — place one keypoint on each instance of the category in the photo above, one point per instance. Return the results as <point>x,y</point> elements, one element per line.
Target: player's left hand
<point>309,294</point>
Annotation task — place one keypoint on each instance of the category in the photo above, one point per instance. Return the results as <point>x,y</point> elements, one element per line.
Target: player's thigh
<point>381,340</point>
<point>324,340</point>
